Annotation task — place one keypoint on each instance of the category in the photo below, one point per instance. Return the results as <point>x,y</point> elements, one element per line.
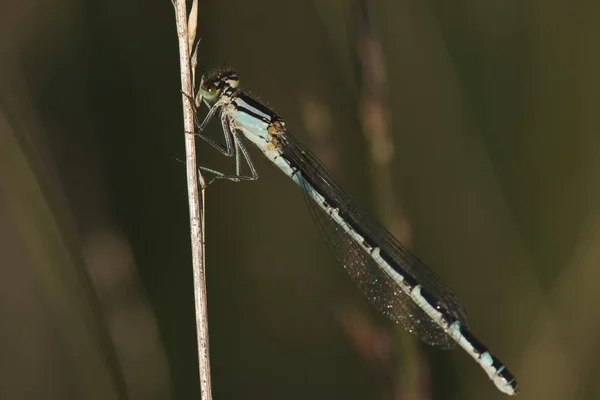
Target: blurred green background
<point>470,128</point>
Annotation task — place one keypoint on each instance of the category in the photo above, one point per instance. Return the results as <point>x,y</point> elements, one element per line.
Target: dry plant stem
<point>195,198</point>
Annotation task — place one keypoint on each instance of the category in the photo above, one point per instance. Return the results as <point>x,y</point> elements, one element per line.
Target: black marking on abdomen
<point>477,345</point>
<point>409,280</point>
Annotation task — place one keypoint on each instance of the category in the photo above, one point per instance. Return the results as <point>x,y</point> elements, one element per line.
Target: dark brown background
<point>492,111</point>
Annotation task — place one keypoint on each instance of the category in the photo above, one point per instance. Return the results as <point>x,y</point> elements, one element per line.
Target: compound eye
<point>210,88</point>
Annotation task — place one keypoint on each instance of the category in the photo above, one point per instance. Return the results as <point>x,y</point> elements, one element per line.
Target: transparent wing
<point>364,271</point>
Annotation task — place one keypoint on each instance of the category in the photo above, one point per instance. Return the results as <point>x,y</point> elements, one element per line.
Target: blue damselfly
<point>394,280</point>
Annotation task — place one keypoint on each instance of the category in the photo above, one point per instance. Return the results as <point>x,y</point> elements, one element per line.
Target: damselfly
<point>394,280</point>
